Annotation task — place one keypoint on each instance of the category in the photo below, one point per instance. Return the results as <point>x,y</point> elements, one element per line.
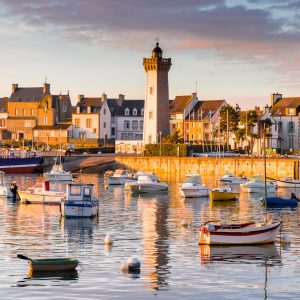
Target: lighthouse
<point>156,110</point>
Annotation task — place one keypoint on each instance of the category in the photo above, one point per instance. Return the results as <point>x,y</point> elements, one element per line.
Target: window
<point>104,125</point>
<point>88,123</point>
<point>95,130</point>
<point>291,127</point>
<point>16,111</point>
<point>142,111</point>
<point>24,111</point>
<point>126,124</point>
<point>135,125</point>
<point>149,139</point>
<point>45,120</point>
<point>32,111</point>
<point>141,125</point>
<point>150,115</point>
<point>113,131</point>
<point>151,90</point>
<point>104,111</point>
<point>86,191</point>
<point>2,122</point>
<point>82,135</point>
<point>75,190</point>
<point>77,123</point>
<point>134,112</point>
<point>64,109</point>
<point>127,112</point>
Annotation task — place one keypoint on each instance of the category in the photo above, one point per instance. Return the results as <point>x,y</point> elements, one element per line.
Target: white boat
<point>145,184</point>
<point>80,201</point>
<point>57,173</point>
<point>5,191</point>
<point>288,182</point>
<point>239,234</point>
<point>119,177</point>
<point>257,185</point>
<point>41,193</point>
<point>152,175</point>
<point>229,178</point>
<point>192,186</point>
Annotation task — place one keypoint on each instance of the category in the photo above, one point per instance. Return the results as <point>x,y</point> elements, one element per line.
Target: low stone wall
<point>176,168</point>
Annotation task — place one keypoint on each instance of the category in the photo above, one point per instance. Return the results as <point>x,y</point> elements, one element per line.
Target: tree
<point>174,138</point>
<point>248,120</point>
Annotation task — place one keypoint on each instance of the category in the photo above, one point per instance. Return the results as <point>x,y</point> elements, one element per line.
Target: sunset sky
<point>238,50</point>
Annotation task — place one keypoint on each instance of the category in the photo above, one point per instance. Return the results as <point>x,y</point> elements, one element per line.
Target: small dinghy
<point>51,264</point>
<point>279,202</point>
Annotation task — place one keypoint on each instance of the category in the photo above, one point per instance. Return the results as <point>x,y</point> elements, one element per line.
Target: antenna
<point>45,79</point>
<point>196,82</point>
<point>157,40</point>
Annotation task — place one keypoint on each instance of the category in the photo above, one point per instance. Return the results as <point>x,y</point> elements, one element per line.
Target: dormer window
<point>127,112</point>
<point>134,112</point>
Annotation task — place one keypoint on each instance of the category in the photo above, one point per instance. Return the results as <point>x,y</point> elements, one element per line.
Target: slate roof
<point>94,103</point>
<point>179,103</point>
<point>31,94</point>
<point>282,104</point>
<point>117,107</point>
<point>207,108</point>
<point>55,127</point>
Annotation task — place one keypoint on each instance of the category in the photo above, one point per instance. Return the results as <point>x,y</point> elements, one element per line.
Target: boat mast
<point>265,167</point>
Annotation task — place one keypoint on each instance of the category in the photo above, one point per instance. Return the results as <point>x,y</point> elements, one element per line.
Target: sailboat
<point>241,234</point>
<point>57,173</point>
<point>222,193</point>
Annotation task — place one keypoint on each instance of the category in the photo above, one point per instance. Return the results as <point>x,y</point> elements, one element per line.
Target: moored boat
<point>257,185</point>
<point>223,193</point>
<point>51,264</point>
<point>288,182</point>
<point>80,201</point>
<point>41,193</point>
<point>120,177</point>
<point>145,184</point>
<point>57,173</point>
<point>192,186</point>
<point>239,234</point>
<point>229,178</point>
<point>279,202</point>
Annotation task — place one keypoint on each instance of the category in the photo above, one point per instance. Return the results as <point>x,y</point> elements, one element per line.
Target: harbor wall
<point>177,167</point>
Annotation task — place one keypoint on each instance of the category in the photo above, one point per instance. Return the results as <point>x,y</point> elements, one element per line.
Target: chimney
<point>267,109</point>
<point>88,109</point>
<point>46,88</point>
<point>80,97</point>
<point>14,87</point>
<point>104,97</point>
<point>121,99</point>
<point>78,109</point>
<point>275,97</point>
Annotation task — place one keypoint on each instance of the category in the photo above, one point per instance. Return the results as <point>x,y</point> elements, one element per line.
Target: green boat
<point>51,264</point>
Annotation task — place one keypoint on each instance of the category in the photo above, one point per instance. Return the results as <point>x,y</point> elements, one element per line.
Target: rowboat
<point>223,193</point>
<point>279,202</point>
<point>239,234</point>
<point>51,264</point>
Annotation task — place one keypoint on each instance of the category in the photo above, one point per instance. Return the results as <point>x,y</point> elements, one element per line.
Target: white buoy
<point>108,240</point>
<point>286,239</point>
<point>184,223</point>
<point>131,265</point>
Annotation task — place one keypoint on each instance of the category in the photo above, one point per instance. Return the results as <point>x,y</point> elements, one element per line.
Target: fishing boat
<point>15,161</point>
<point>120,177</point>
<point>239,234</point>
<point>145,184</point>
<point>278,202</point>
<point>57,173</point>
<point>257,185</point>
<point>192,186</point>
<point>51,264</point>
<point>229,178</point>
<point>223,193</point>
<point>41,193</point>
<point>5,191</point>
<point>80,201</point>
<point>288,182</point>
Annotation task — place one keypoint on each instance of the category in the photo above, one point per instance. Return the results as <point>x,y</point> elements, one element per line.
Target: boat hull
<point>47,265</point>
<point>257,189</point>
<point>193,192</point>
<point>281,184</point>
<point>280,202</point>
<point>118,180</point>
<point>19,165</point>
<point>80,209</point>
<point>38,198</point>
<point>223,196</point>
<point>146,188</point>
<point>58,177</point>
<point>242,236</point>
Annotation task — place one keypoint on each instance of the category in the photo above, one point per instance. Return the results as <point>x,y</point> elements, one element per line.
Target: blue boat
<point>279,202</point>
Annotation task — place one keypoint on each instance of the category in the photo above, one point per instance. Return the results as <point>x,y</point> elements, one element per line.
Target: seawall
<point>176,168</point>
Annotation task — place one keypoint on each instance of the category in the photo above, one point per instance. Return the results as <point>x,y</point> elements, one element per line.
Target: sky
<point>237,50</point>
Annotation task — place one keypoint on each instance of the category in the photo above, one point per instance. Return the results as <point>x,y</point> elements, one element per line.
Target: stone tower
<point>156,111</point>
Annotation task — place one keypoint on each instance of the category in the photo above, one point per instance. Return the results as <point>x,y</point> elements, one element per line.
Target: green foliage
<point>233,118</point>
<point>174,138</point>
<point>165,150</point>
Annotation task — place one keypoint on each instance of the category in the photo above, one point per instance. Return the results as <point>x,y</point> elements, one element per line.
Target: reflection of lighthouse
<point>155,240</point>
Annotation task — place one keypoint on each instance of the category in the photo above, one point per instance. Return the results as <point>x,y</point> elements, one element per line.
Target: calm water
<point>148,227</point>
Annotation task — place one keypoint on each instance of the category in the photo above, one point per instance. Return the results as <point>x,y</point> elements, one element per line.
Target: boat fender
<point>132,265</point>
<point>108,240</point>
